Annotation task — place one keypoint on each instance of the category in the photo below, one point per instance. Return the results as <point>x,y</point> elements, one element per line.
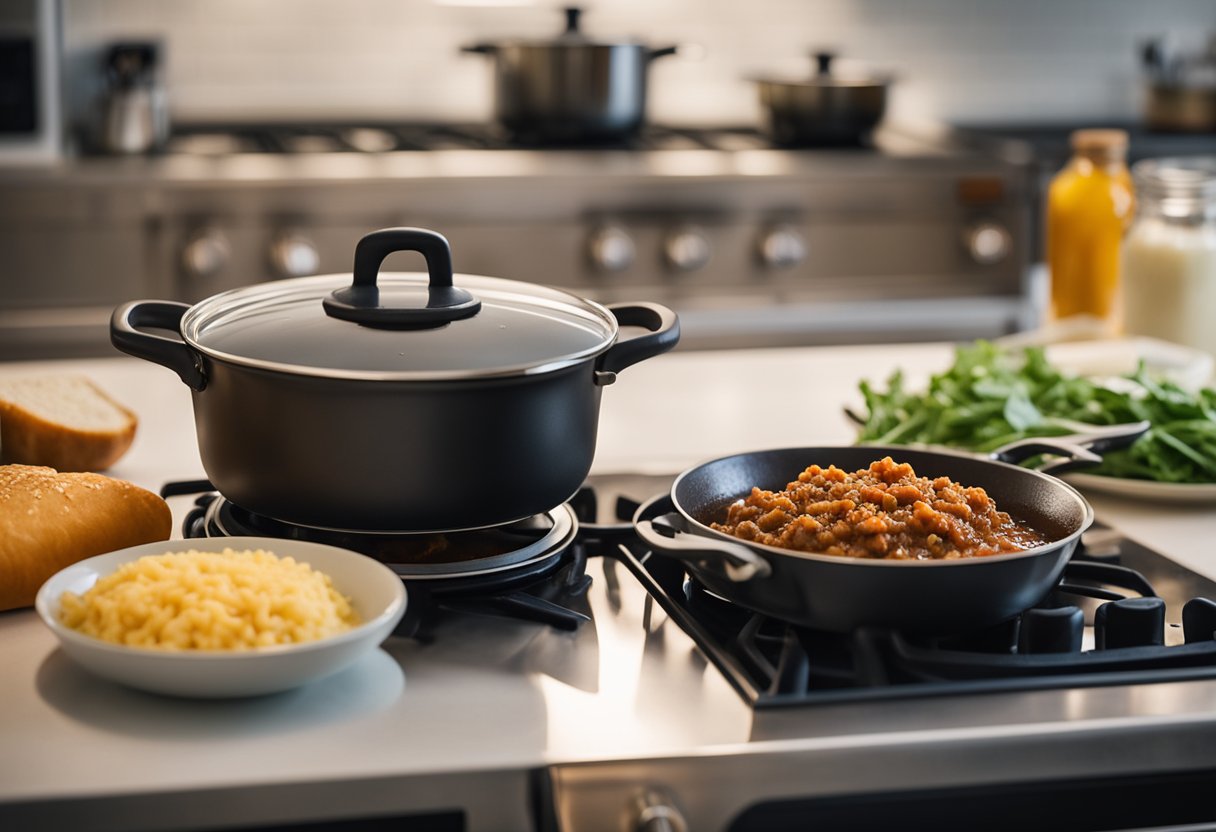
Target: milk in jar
<point>1169,256</point>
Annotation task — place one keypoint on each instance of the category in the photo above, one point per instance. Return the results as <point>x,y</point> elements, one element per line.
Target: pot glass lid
<point>518,328</point>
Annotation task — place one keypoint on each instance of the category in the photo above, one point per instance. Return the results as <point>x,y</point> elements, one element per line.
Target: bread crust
<point>26,439</point>
<point>50,520</point>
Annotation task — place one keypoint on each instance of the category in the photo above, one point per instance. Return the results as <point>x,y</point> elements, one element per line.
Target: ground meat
<point>885,511</point>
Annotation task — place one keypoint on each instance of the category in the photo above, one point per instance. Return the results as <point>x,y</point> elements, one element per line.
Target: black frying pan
<point>841,593</point>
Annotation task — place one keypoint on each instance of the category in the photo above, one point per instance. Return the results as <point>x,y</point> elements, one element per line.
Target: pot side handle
<point>664,334</point>
<point>734,561</point>
<point>127,323</point>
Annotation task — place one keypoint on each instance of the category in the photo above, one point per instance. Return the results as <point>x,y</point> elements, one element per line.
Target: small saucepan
<point>841,593</point>
<point>826,108</point>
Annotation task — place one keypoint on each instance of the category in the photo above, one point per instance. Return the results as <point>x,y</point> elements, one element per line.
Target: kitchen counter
<point>419,730</point>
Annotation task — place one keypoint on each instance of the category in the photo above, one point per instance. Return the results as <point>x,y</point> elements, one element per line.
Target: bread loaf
<point>64,422</point>
<point>50,520</point>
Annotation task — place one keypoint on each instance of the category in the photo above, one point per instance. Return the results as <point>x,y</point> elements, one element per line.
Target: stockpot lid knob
<point>573,13</point>
<point>823,62</point>
<point>402,307</point>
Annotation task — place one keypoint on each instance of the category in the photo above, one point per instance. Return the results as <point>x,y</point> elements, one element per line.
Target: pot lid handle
<point>406,308</point>
<point>573,13</point>
<point>823,62</point>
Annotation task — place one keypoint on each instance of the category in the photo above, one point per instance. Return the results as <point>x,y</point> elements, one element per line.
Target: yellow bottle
<point>1089,207</point>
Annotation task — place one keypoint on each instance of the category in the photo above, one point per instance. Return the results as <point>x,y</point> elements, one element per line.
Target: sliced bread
<point>63,422</point>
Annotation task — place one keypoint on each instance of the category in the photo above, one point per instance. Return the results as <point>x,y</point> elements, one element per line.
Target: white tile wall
<point>972,60</point>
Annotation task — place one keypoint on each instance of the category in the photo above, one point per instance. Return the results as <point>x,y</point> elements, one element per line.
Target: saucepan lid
<point>828,73</point>
<point>572,36</point>
<point>400,326</point>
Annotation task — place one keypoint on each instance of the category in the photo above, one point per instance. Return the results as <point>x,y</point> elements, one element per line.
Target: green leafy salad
<point>990,397</point>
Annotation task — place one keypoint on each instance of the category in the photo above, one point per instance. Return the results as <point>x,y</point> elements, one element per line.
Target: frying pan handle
<point>1076,450</point>
<point>127,326</point>
<point>665,536</point>
<point>664,334</point>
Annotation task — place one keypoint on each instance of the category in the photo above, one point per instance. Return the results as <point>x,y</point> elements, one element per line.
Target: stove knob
<point>1199,620</point>
<point>294,255</point>
<point>611,249</point>
<point>687,249</point>
<point>654,812</point>
<point>206,253</point>
<point>1132,622</point>
<point>782,248</point>
<point>1056,630</point>
<point>988,242</point>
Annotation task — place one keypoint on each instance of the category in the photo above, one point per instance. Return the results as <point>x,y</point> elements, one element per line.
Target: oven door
<point>855,789</point>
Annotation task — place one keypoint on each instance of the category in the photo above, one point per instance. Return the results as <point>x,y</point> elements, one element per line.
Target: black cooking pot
<point>827,108</point>
<point>570,88</point>
<point>841,593</point>
<point>397,402</point>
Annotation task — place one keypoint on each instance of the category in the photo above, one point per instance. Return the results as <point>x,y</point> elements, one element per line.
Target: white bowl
<point>377,595</point>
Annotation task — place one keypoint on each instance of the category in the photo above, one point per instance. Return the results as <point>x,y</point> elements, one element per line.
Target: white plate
<point>1070,349</point>
<point>377,595</point>
<point>1158,492</point>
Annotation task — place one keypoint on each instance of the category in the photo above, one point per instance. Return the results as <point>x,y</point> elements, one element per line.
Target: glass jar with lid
<point>1169,256</point>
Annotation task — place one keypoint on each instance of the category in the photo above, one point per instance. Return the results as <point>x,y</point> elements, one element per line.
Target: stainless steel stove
<point>1104,624</point>
<point>1095,710</point>
<point>915,236</point>
<point>1044,722</point>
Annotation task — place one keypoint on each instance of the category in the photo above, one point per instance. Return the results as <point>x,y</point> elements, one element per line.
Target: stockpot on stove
<point>570,88</point>
<point>395,401</point>
<point>825,108</point>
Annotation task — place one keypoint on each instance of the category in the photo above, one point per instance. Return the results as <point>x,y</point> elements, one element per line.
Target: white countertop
<point>497,700</point>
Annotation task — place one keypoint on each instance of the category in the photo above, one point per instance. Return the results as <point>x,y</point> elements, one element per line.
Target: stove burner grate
<point>534,570</point>
<point>1102,625</point>
<point>543,593</point>
<point>370,138</point>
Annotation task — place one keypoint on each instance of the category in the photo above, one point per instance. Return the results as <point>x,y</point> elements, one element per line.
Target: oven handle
<point>126,333</point>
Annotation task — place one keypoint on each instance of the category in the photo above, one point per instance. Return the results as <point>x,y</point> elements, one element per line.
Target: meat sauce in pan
<point>885,511</point>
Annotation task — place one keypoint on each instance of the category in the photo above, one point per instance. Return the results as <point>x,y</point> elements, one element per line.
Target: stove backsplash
<point>914,238</point>
<point>398,59</point>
